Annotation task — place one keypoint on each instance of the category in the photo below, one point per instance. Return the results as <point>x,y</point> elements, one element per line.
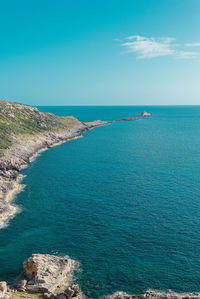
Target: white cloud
<point>187,55</point>
<point>146,47</point>
<point>150,47</point>
<point>193,45</point>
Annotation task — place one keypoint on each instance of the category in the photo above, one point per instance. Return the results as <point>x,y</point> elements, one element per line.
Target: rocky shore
<point>49,276</point>
<point>24,133</point>
<point>24,150</point>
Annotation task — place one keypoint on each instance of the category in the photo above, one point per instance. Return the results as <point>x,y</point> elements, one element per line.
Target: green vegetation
<point>20,295</point>
<point>17,119</point>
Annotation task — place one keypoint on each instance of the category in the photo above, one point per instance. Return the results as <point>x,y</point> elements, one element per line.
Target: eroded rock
<point>5,291</point>
<point>43,273</point>
<point>73,291</point>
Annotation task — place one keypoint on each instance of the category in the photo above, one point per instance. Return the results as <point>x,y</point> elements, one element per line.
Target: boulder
<point>3,286</point>
<point>21,286</point>
<point>5,291</point>
<point>43,273</point>
<point>73,291</point>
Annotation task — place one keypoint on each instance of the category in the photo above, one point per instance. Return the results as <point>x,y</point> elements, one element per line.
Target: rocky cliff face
<point>20,154</point>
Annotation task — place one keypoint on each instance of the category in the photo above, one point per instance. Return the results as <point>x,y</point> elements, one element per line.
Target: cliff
<point>24,132</point>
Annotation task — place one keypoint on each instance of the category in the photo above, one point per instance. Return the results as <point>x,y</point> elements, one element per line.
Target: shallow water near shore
<point>124,201</point>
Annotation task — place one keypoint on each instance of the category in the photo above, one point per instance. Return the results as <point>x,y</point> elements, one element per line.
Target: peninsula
<point>24,133</point>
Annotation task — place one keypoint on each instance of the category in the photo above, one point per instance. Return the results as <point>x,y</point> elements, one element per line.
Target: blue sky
<point>107,52</point>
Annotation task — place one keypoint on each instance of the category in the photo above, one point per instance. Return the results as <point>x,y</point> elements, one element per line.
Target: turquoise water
<point>124,201</point>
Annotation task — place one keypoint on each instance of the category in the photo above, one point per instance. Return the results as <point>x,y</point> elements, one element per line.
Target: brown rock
<point>44,273</point>
<point>21,286</point>
<point>61,296</point>
<point>73,291</point>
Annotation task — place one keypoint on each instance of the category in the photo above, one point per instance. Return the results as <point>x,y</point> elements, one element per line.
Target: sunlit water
<point>124,201</point>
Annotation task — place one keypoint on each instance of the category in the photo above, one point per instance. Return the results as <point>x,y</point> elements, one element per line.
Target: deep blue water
<point>124,201</point>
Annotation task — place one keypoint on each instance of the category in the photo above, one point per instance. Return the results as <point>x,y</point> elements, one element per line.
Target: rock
<point>130,118</point>
<point>73,291</point>
<point>3,286</point>
<point>49,296</point>
<point>21,286</point>
<point>61,296</point>
<point>5,291</point>
<point>145,114</point>
<point>31,282</point>
<point>25,147</point>
<point>150,294</point>
<point>43,273</point>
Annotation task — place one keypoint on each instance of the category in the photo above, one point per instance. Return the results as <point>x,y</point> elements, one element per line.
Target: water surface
<point>124,201</point>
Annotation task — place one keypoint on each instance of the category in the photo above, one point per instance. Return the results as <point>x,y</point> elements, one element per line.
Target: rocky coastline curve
<point>23,151</point>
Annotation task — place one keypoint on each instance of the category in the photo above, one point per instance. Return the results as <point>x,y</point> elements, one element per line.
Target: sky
<point>100,52</point>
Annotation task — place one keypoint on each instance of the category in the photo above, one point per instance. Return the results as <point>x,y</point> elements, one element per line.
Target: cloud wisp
<point>150,47</point>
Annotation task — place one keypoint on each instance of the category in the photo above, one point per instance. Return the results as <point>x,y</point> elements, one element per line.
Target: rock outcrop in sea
<point>145,114</point>
<point>50,276</point>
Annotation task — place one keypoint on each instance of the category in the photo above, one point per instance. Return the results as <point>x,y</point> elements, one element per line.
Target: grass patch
<point>17,119</point>
<point>23,295</point>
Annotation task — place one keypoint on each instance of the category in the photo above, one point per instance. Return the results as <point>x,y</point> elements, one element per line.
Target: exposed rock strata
<point>23,151</point>
<point>43,273</point>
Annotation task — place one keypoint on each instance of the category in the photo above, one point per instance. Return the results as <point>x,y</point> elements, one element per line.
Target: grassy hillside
<point>17,119</point>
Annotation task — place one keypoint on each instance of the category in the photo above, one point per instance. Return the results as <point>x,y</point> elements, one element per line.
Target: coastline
<point>23,152</point>
<point>52,277</point>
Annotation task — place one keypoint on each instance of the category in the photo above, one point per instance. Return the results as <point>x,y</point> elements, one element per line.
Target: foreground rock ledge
<point>43,273</point>
<point>51,276</point>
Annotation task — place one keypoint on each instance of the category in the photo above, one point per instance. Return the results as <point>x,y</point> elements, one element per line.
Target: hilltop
<point>17,120</point>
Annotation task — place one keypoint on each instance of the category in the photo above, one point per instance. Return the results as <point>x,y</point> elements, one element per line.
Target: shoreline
<point>52,277</point>
<point>26,151</point>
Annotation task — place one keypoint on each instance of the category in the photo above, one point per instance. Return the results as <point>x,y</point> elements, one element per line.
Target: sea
<point>123,201</point>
